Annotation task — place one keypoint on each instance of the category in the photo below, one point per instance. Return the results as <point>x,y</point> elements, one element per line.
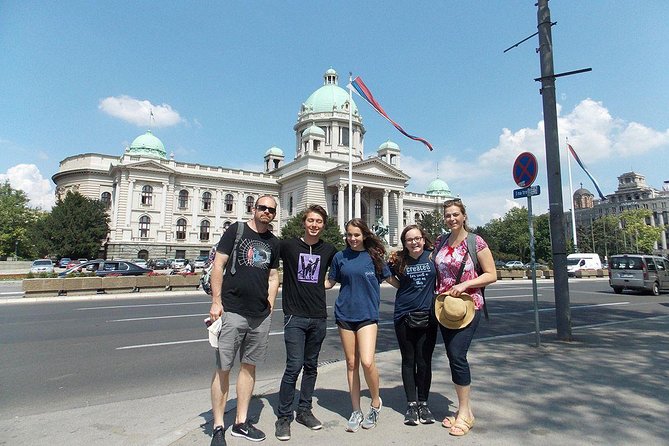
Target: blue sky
<point>226,80</point>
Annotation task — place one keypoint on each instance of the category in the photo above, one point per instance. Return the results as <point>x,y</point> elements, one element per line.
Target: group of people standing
<point>438,287</point>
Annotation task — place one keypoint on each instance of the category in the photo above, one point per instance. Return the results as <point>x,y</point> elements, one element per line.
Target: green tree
<point>331,233</point>
<point>76,227</point>
<point>16,219</point>
<point>640,235</point>
<point>432,223</point>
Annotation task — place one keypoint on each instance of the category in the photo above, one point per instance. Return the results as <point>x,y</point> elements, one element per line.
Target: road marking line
<point>512,296</point>
<point>148,318</point>
<point>142,305</point>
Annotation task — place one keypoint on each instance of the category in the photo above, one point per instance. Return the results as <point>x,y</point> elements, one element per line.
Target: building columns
<point>663,236</point>
<point>358,211</point>
<point>128,211</point>
<point>341,204</point>
<point>163,210</point>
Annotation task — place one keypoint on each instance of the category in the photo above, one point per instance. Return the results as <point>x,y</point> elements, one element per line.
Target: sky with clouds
<point>221,83</point>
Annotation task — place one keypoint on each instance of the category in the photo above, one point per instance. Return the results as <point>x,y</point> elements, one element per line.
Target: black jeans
<point>457,345</point>
<point>416,347</point>
<point>304,337</point>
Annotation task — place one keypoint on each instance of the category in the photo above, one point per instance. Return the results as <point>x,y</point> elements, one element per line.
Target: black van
<point>639,272</point>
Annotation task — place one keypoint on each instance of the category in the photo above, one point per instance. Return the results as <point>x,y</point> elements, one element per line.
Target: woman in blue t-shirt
<point>360,268</point>
<point>414,276</point>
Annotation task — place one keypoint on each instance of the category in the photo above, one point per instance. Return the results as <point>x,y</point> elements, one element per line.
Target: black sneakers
<point>424,414</point>
<point>248,431</point>
<point>411,415</point>
<point>218,437</point>
<point>307,418</point>
<point>282,428</point>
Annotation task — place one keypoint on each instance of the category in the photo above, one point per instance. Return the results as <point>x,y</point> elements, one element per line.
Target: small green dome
<point>389,145</point>
<point>330,97</point>
<point>274,150</point>
<point>148,145</point>
<point>439,187</point>
<point>314,130</point>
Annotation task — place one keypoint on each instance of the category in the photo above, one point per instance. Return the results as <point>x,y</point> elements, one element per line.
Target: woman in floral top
<point>448,262</point>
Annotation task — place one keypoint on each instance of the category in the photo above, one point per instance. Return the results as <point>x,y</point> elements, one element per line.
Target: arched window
<point>206,201</point>
<point>183,199</point>
<point>105,198</point>
<point>181,229</point>
<point>144,226</point>
<point>229,202</point>
<point>226,225</point>
<point>378,208</point>
<point>335,203</point>
<point>204,230</point>
<point>249,204</point>
<point>416,217</point>
<point>143,254</point>
<point>147,195</point>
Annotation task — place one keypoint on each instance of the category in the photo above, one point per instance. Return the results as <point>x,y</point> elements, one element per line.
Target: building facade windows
<point>204,230</point>
<point>343,136</point>
<point>249,204</point>
<point>105,198</point>
<point>206,201</point>
<point>181,229</point>
<point>378,209</point>
<point>144,226</point>
<point>229,202</point>
<point>183,199</point>
<point>147,195</point>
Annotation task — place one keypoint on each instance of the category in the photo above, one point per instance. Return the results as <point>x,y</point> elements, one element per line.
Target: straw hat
<point>454,312</point>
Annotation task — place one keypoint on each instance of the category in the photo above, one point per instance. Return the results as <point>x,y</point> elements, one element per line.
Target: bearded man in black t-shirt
<point>243,296</point>
<point>305,263</point>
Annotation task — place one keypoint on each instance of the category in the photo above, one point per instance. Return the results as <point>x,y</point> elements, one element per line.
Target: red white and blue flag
<point>580,163</point>
<point>363,91</point>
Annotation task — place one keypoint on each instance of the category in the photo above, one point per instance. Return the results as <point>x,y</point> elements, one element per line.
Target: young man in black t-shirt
<point>243,295</point>
<point>305,263</point>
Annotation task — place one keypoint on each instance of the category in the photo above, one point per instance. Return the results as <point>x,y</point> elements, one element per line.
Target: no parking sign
<point>525,169</point>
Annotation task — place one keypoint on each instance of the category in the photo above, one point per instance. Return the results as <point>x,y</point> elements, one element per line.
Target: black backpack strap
<point>471,249</point>
<point>238,237</point>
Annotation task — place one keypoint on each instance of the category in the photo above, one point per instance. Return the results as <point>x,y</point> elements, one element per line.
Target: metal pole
<point>350,147</point>
<point>535,295</point>
<point>555,203</point>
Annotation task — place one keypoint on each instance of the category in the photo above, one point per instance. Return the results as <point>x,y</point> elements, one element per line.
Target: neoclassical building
<point>163,208</point>
<point>632,193</point>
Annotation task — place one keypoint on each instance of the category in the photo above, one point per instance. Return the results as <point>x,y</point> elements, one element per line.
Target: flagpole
<point>571,194</point>
<point>350,146</point>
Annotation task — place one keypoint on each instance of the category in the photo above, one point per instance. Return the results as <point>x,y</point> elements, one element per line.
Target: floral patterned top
<point>448,262</point>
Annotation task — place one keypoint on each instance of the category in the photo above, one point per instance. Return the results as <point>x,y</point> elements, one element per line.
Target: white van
<point>582,260</point>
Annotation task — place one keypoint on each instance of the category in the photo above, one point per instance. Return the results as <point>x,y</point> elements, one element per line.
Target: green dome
<point>439,187</point>
<point>274,150</point>
<point>330,97</point>
<point>390,145</point>
<point>313,129</point>
<point>148,145</point>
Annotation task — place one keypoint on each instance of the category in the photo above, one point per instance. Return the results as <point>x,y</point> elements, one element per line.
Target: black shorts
<point>354,326</point>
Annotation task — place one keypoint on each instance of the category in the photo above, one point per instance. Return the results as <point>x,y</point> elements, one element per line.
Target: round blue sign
<point>525,169</point>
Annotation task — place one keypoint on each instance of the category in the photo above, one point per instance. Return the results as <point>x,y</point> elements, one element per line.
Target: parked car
<point>72,264</point>
<point>62,263</point>
<point>108,267</point>
<point>159,264</point>
<point>200,261</point>
<point>42,266</point>
<point>514,264</point>
<point>178,264</point>
<point>581,261</point>
<point>639,272</point>
<point>82,260</point>
<point>499,264</point>
<point>140,262</point>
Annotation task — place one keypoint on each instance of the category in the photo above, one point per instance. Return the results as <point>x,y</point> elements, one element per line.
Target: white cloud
<point>138,112</point>
<point>27,177</point>
<point>485,183</point>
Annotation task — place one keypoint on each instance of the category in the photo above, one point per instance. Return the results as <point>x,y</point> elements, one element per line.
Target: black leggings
<point>416,347</point>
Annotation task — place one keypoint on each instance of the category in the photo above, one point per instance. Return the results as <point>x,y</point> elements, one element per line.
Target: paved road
<point>65,354</point>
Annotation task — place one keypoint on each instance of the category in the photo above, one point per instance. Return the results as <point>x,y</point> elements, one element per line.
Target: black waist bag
<point>417,319</point>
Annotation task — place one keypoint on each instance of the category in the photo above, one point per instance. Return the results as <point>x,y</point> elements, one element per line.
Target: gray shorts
<point>249,336</point>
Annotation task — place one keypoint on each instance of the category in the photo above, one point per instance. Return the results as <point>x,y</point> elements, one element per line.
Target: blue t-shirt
<point>360,291</point>
<point>416,289</point>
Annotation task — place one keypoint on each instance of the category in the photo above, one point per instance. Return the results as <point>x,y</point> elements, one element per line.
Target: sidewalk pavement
<point>607,387</point>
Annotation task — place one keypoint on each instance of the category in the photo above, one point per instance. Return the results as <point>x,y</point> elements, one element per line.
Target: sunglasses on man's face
<point>263,208</point>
